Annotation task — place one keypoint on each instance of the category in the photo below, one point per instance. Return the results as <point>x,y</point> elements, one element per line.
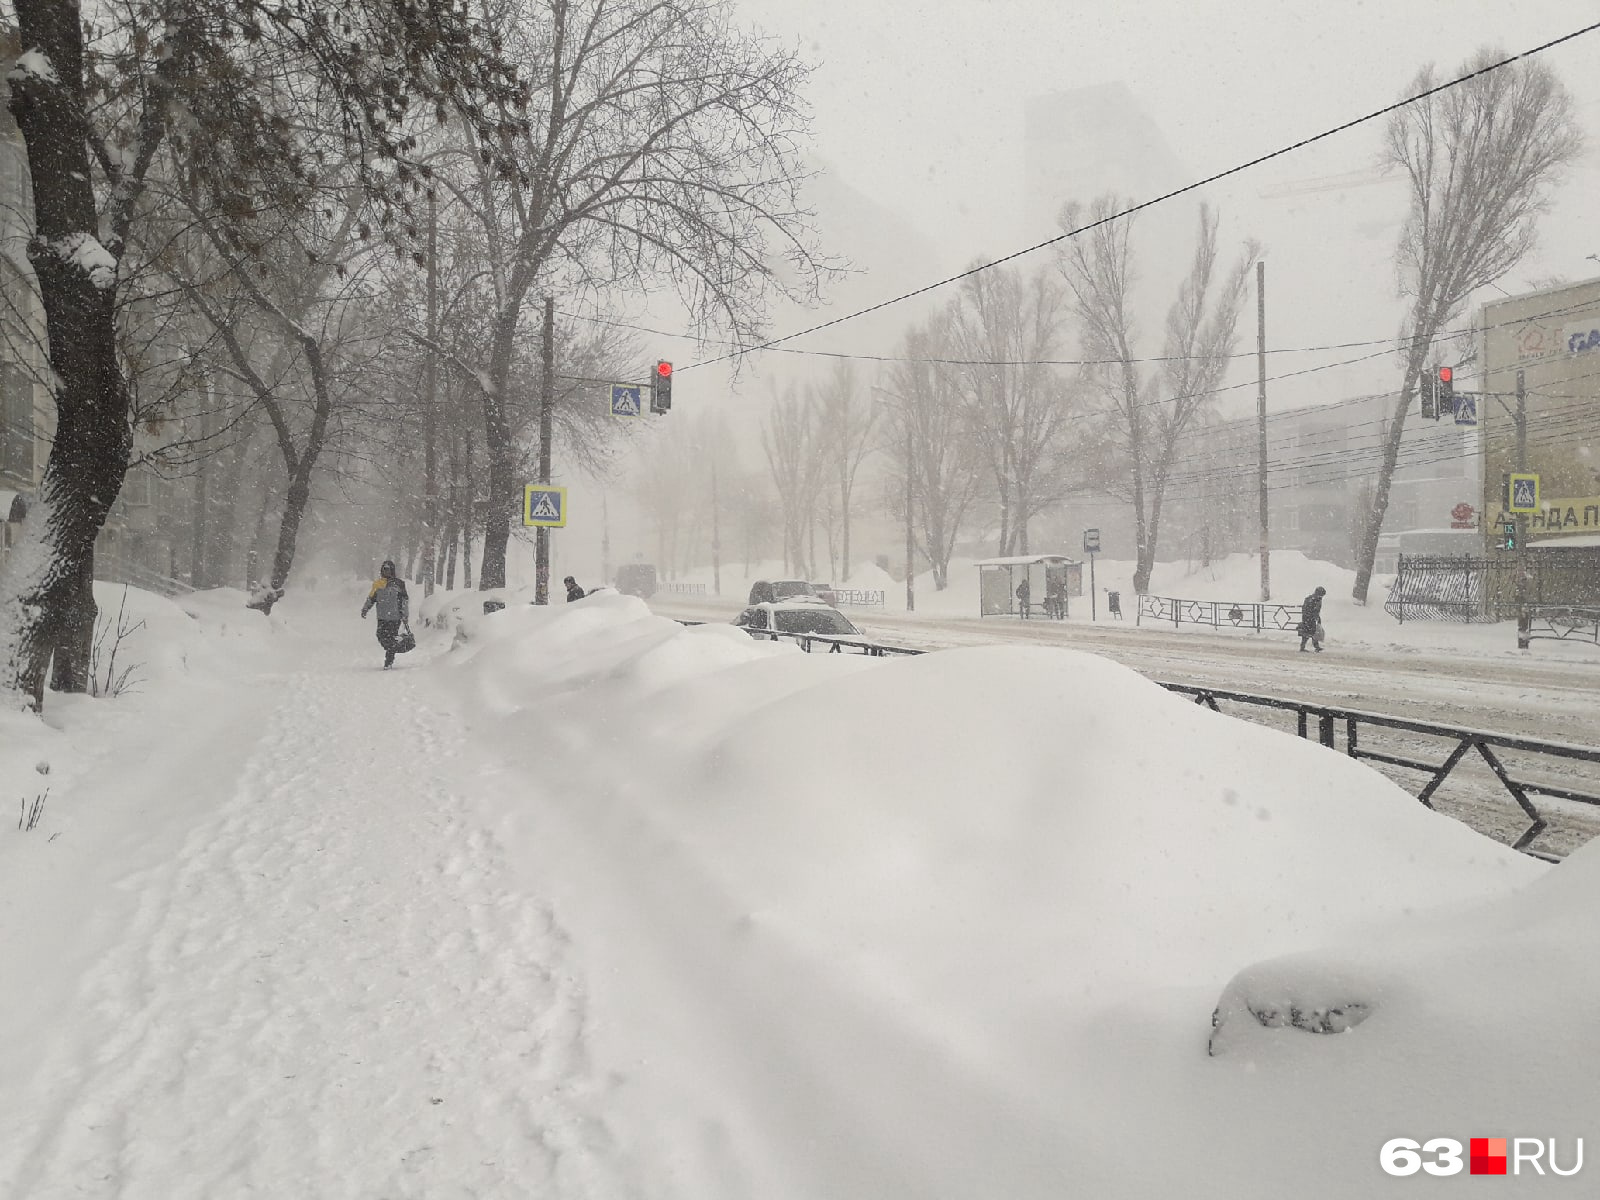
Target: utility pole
<point>605,539</point>
<point>547,403</point>
<point>197,552</point>
<point>716,534</point>
<point>430,482</point>
<point>1261,419</point>
<point>1524,621</point>
<point>911,545</point>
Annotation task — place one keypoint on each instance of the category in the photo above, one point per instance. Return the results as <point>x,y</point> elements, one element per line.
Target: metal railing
<point>1455,743</point>
<point>1450,746</point>
<point>1564,623</point>
<point>683,589</point>
<point>1219,614</point>
<point>836,643</point>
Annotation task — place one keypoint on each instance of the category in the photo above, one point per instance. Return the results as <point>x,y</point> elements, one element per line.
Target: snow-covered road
<point>324,986</point>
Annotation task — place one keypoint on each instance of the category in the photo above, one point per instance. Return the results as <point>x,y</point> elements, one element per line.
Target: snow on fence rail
<point>1522,768</point>
<point>1219,614</point>
<point>858,597</point>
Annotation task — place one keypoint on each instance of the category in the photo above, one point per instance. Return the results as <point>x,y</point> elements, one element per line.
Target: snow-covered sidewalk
<point>326,988</point>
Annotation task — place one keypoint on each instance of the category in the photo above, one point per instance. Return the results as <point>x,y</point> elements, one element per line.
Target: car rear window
<point>784,588</point>
<point>823,620</point>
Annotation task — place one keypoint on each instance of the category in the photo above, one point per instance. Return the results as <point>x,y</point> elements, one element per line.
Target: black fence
<point>1436,587</point>
<point>1503,802</point>
<point>1218,614</point>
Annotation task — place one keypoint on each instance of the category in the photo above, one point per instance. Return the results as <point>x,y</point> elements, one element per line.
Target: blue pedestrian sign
<point>625,400</point>
<point>544,506</point>
<point>1524,494</point>
<point>1466,409</point>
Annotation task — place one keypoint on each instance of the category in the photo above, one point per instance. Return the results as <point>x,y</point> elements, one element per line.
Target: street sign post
<point>544,506</point>
<point>625,400</point>
<point>1091,547</point>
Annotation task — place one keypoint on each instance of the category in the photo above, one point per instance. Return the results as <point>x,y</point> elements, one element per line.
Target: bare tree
<point>846,428</point>
<point>931,437</point>
<point>1151,418</point>
<point>1481,160</point>
<point>1017,406</point>
<point>663,147</point>
<point>796,455</point>
<point>94,115</point>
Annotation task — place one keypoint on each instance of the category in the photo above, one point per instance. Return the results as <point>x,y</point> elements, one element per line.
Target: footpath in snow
<point>583,903</point>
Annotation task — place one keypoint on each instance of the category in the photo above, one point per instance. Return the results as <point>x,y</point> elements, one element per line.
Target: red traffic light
<point>663,369</point>
<point>1446,374</point>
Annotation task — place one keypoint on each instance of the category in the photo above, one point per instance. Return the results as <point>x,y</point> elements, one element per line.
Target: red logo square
<point>1488,1156</point>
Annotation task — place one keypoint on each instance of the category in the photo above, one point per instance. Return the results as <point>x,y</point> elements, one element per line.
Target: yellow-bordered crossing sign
<point>1524,493</point>
<point>544,506</point>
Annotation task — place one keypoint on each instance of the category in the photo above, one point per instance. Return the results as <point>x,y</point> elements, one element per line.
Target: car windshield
<point>783,589</point>
<point>818,620</point>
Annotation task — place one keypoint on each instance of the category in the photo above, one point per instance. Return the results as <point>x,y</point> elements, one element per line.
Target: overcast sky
<point>920,104</point>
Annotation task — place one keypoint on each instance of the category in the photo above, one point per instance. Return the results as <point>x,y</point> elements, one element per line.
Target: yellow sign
<point>1573,515</point>
<point>1524,497</point>
<point>544,506</point>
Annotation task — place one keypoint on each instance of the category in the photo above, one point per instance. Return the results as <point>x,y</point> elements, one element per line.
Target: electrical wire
<point>1173,194</point>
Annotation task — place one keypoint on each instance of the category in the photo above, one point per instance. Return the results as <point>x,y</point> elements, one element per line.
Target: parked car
<point>637,579</point>
<point>803,615</point>
<point>825,593</point>
<point>764,591</point>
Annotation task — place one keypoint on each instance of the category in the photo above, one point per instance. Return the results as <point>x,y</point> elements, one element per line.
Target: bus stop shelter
<point>1050,580</point>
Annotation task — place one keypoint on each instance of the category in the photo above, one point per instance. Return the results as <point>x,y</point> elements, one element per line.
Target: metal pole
<point>197,552</point>
<point>1524,621</point>
<point>605,539</point>
<point>1094,602</point>
<point>716,534</point>
<point>547,403</point>
<point>911,594</point>
<point>1261,418</point>
<point>430,483</point>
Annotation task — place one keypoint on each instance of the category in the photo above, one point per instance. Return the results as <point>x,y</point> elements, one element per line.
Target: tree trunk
<point>1367,551</point>
<point>41,598</point>
<point>74,660</point>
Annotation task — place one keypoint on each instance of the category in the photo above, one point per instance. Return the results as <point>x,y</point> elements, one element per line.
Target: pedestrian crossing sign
<point>1524,496</point>
<point>625,400</point>
<point>1466,410</point>
<point>544,506</point>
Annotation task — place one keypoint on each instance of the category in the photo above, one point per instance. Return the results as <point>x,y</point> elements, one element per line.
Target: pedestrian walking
<point>1311,620</point>
<point>574,592</point>
<point>1023,594</point>
<point>388,596</point>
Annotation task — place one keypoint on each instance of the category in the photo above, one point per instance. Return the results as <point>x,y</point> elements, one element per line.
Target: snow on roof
<point>1022,560</point>
<point>1578,541</point>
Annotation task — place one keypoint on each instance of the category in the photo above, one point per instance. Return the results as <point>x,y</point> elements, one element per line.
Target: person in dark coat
<point>1311,620</point>
<point>388,596</point>
<point>1024,593</point>
<point>574,592</point>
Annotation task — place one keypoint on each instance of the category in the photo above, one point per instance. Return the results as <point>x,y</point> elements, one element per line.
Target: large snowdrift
<point>957,924</point>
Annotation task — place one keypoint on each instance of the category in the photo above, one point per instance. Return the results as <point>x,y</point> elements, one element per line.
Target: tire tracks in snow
<point>331,992</point>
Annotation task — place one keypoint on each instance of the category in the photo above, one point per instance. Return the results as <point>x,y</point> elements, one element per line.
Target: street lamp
<point>905,412</point>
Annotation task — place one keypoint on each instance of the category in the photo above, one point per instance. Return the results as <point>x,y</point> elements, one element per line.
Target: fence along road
<point>1517,698</point>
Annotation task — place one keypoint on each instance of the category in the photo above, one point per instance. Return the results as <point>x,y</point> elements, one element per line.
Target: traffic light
<point>1430,406</point>
<point>1447,391</point>
<point>1508,535</point>
<point>661,393</point>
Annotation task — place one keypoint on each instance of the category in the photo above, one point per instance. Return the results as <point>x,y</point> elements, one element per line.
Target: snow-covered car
<point>800,616</point>
<point>764,591</point>
<point>825,593</point>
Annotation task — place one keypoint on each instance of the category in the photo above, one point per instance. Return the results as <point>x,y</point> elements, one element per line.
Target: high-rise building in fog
<point>1081,143</point>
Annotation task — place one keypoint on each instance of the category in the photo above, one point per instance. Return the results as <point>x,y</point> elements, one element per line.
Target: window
<point>16,423</point>
<point>817,620</point>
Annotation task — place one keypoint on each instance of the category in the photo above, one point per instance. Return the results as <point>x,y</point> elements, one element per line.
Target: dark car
<point>637,579</point>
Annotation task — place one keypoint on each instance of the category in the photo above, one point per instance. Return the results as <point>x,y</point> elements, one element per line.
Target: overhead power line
<point>1151,203</point>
